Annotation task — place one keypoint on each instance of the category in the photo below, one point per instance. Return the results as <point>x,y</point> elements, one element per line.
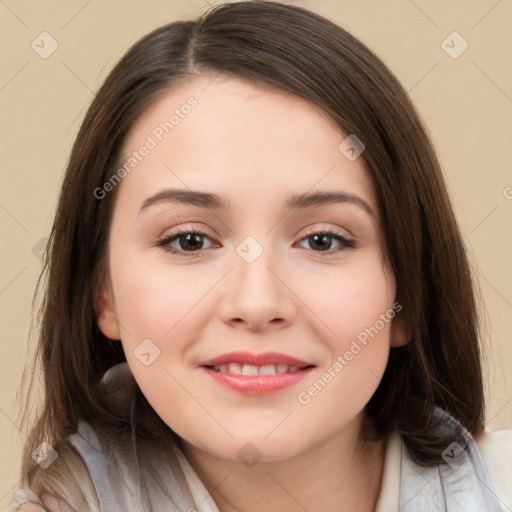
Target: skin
<point>255,146</point>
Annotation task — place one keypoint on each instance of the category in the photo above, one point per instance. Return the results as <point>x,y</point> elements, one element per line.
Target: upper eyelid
<point>309,231</point>
<point>337,231</point>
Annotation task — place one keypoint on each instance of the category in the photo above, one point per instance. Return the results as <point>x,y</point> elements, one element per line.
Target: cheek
<point>358,306</point>
<point>155,303</point>
<point>354,301</point>
<point>157,314</point>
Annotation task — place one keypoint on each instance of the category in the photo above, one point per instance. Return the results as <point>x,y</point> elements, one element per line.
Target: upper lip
<point>263,359</point>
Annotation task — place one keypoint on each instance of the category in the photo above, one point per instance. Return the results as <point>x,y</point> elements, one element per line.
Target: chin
<point>254,449</point>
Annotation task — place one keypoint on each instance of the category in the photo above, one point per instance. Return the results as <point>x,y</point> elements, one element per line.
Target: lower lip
<point>257,384</point>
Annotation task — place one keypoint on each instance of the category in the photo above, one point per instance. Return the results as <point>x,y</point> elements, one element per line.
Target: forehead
<point>228,135</point>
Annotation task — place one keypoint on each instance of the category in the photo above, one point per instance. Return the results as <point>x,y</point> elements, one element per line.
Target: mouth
<point>256,374</point>
<point>250,369</point>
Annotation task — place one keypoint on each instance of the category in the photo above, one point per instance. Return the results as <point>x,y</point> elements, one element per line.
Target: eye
<point>190,241</point>
<point>322,239</point>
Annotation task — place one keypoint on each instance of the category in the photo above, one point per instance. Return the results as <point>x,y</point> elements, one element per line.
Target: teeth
<point>249,369</point>
<point>235,368</point>
<point>268,369</point>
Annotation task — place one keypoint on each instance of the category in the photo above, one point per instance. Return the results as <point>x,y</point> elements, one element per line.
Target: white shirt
<point>496,449</point>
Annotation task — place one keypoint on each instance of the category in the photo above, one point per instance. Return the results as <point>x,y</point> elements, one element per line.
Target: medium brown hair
<point>302,53</point>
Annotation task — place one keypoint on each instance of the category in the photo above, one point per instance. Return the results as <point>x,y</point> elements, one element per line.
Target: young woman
<point>257,296</point>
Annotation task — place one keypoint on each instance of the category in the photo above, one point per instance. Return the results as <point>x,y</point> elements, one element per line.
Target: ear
<point>105,314</point>
<point>400,334</point>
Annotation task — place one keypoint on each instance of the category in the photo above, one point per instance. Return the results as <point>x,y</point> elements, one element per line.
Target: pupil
<point>194,240</point>
<point>324,239</point>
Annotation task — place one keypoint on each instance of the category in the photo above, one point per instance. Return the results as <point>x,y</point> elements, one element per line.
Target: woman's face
<point>302,321</point>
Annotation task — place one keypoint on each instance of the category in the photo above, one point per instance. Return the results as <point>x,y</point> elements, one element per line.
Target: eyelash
<point>164,242</point>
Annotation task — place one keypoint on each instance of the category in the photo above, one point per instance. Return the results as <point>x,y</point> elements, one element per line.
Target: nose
<point>258,295</point>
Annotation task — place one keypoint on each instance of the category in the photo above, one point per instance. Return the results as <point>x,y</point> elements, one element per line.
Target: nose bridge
<point>255,268</point>
<point>257,294</point>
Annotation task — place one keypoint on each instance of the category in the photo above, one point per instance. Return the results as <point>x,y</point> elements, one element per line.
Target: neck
<point>342,473</point>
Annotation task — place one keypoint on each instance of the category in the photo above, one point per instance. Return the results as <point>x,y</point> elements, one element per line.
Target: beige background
<point>466,103</point>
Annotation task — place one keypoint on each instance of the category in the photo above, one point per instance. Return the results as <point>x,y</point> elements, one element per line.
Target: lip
<point>256,359</point>
<point>256,384</point>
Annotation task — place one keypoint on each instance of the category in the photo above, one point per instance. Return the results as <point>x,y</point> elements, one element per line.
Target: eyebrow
<point>214,202</point>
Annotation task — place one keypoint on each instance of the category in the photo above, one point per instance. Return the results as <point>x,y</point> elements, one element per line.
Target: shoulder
<point>63,486</point>
<point>496,450</point>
